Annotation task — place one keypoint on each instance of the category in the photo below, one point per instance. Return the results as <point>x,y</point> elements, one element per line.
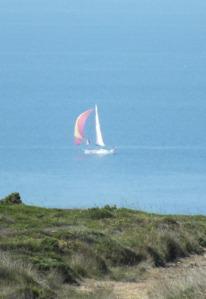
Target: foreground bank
<point>45,253</point>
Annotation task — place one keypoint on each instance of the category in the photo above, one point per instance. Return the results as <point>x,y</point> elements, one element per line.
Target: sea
<point>143,63</point>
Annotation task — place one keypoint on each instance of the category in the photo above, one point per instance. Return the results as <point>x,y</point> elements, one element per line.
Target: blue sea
<point>143,63</point>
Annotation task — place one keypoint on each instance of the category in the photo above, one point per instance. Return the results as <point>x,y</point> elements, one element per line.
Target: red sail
<point>80,125</point>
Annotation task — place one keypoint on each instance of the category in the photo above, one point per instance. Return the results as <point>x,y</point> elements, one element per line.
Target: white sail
<point>99,138</point>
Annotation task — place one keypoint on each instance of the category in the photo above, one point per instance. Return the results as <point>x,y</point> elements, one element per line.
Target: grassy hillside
<point>44,251</point>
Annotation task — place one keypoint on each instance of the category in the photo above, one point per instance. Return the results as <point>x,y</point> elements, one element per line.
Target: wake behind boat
<point>79,135</point>
<point>100,151</point>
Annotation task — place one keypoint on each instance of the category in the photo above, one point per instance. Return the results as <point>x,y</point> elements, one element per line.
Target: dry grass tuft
<point>188,285</point>
<point>20,279</point>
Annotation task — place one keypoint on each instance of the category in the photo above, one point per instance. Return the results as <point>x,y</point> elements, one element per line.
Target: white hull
<point>100,151</point>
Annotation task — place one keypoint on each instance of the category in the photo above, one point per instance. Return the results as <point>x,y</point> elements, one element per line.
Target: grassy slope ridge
<point>42,250</point>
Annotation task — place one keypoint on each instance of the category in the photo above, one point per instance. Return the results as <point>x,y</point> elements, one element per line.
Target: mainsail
<point>99,138</point>
<point>79,126</point>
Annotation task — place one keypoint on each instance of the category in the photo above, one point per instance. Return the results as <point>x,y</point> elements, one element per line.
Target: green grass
<point>92,243</point>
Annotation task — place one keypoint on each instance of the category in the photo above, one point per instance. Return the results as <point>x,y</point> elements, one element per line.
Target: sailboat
<point>79,136</point>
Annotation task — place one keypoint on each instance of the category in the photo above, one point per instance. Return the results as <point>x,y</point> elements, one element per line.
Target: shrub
<point>50,244</point>
<point>100,213</point>
<point>156,256</point>
<point>173,249</point>
<point>12,199</point>
<point>47,264</point>
<point>169,220</point>
<point>202,241</point>
<point>88,264</point>
<point>110,208</point>
<point>116,254</point>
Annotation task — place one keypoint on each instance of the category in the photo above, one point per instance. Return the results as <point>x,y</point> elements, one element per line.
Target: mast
<point>99,138</point>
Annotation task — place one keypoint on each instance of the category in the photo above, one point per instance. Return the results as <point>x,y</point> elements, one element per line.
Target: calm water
<point>143,63</point>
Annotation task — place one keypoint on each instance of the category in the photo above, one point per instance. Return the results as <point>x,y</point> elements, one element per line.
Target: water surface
<point>143,63</point>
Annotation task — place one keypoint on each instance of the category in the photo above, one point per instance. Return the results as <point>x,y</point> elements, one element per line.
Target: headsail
<point>99,138</point>
<point>79,126</point>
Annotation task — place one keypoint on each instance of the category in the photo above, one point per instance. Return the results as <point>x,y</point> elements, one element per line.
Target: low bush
<point>173,248</point>
<point>48,264</point>
<point>12,199</point>
<point>157,257</point>
<point>100,213</point>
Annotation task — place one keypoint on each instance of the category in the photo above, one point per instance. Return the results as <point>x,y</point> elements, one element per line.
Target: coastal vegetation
<point>48,253</point>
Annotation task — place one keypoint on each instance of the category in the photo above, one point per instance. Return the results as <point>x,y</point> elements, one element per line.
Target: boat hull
<point>100,151</point>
